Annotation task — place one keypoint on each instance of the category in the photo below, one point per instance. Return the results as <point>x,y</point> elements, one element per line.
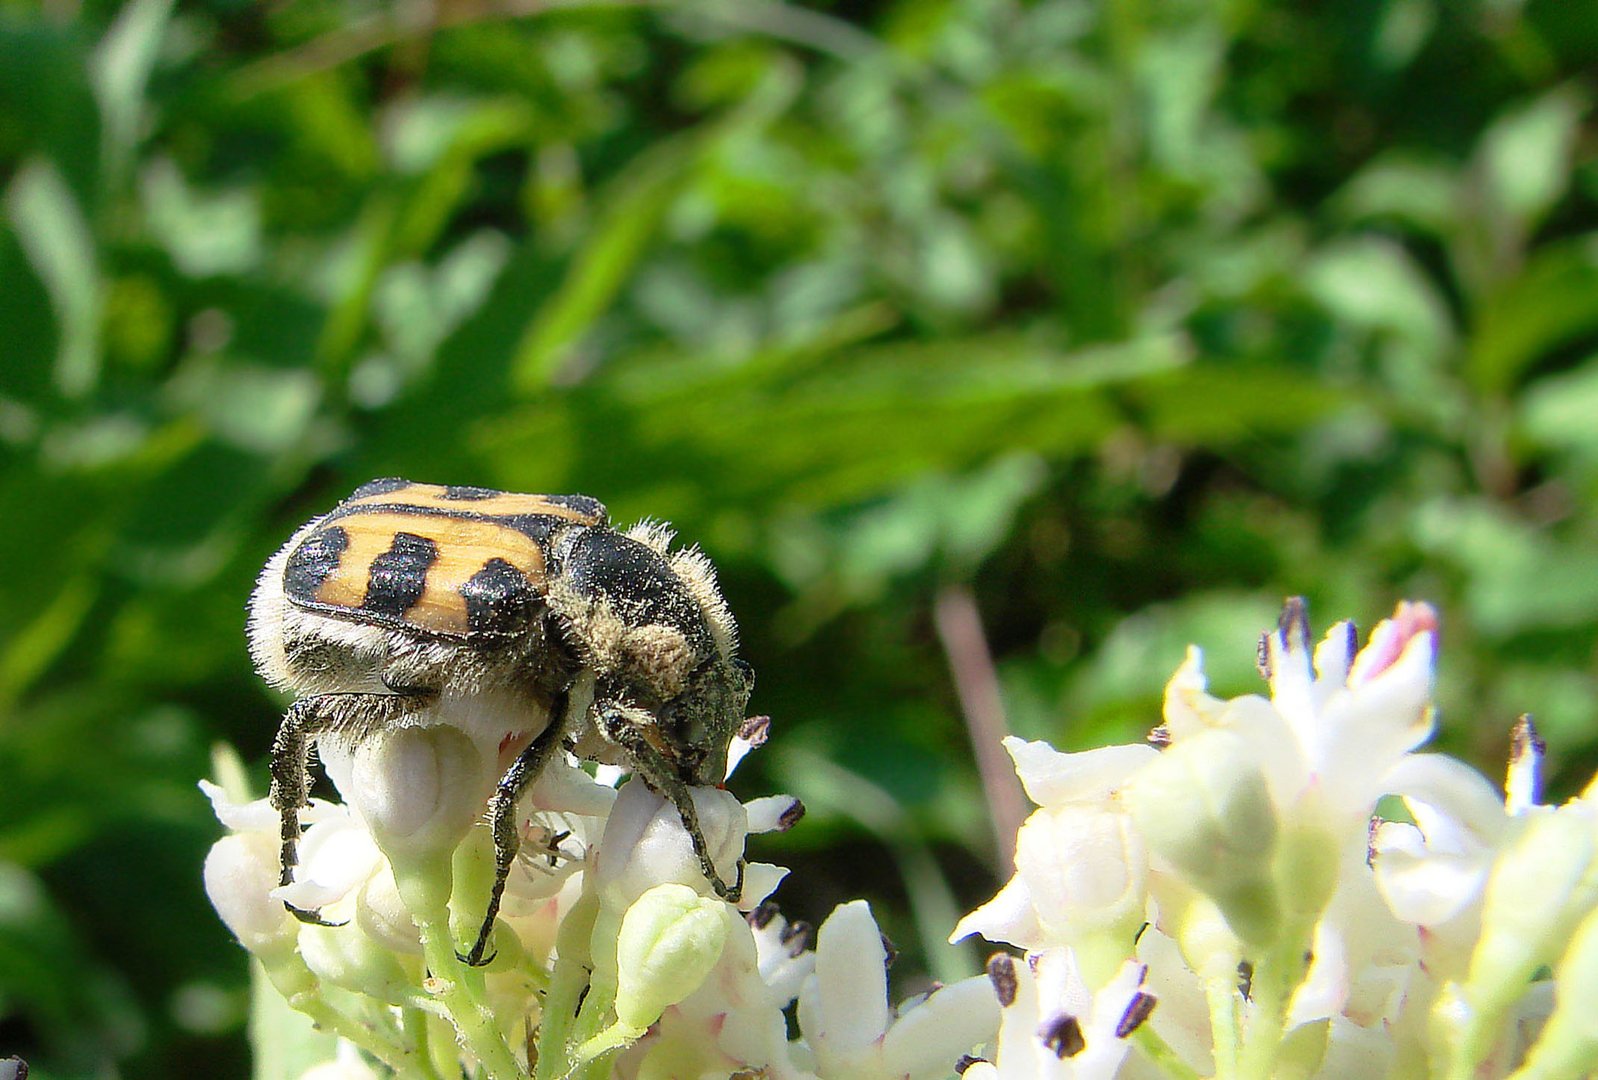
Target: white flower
<point>1245,871</point>
<point>1054,1026</point>
<point>849,1026</point>
<point>1077,852</point>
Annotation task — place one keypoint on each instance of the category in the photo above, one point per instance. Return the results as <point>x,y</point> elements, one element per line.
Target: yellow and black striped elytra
<point>527,616</point>
<point>458,562</point>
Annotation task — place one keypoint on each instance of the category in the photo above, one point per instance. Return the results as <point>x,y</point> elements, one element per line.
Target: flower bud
<point>241,871</point>
<point>1204,806</point>
<point>1085,870</point>
<point>418,789</point>
<point>344,956</point>
<point>383,916</point>
<point>645,843</point>
<point>670,939</point>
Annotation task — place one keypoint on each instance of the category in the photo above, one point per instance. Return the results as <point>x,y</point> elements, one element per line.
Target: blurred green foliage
<point>1128,317</point>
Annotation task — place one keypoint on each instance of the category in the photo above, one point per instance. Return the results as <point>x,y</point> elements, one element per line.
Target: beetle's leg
<point>291,787</point>
<point>653,767</point>
<point>291,778</point>
<point>502,816</point>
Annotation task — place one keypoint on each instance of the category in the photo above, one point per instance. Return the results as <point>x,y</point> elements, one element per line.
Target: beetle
<point>529,610</point>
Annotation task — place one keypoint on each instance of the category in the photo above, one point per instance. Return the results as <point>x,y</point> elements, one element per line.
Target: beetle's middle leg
<point>527,767</point>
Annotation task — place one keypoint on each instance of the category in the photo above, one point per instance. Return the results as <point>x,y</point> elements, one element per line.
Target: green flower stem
<point>425,890</point>
<point>566,988</point>
<point>1275,978</point>
<point>1222,995</point>
<point>300,989</point>
<point>1157,1050</point>
<point>413,1021</point>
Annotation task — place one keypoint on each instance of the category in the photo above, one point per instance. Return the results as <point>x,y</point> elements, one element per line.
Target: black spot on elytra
<point>586,505</point>
<point>467,493</point>
<point>499,599</point>
<point>399,575</point>
<point>313,562</point>
<point>379,487</point>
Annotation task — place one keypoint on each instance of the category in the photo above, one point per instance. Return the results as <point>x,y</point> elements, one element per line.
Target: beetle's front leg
<point>658,773</point>
<point>291,779</point>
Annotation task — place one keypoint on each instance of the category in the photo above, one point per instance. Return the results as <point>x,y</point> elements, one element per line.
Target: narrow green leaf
<point>120,70</point>
<point>632,213</point>
<point>53,232</point>
<point>1547,304</point>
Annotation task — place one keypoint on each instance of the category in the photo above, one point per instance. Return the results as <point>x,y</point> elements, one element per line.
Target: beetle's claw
<point>312,918</point>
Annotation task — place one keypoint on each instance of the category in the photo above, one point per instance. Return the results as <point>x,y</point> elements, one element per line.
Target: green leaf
<point>628,216</point>
<point>1524,160</point>
<point>120,70</point>
<point>1417,191</point>
<point>1559,411</point>
<point>52,230</point>
<point>1546,305</point>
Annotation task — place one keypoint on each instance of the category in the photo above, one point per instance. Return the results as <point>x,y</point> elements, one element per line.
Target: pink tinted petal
<point>1362,733</point>
<point>1391,638</point>
<point>1052,778</point>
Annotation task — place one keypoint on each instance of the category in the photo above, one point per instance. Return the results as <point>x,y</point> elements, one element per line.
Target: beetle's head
<point>696,726</point>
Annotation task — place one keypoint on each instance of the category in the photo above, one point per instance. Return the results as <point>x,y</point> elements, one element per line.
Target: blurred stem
<point>1271,987</point>
<point>1157,1050</point>
<point>567,988</point>
<point>965,644</point>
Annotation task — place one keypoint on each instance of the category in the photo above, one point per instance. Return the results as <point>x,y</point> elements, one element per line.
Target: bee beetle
<point>528,609</point>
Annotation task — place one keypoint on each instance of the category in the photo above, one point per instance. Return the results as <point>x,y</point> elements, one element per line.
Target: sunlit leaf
<point>51,226</point>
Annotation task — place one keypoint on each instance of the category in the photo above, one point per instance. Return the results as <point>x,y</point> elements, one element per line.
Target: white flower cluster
<point>1285,887</point>
<point>1279,887</point>
<point>613,957</point>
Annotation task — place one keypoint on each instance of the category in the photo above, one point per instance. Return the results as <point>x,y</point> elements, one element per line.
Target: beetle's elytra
<point>406,598</point>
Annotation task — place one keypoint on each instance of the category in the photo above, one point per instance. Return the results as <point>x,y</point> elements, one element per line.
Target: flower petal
<point>926,1040</point>
<point>1009,918</point>
<point>1052,778</point>
<point>849,1003</point>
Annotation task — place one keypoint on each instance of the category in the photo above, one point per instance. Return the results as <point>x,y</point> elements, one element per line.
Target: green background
<point>1121,320</point>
